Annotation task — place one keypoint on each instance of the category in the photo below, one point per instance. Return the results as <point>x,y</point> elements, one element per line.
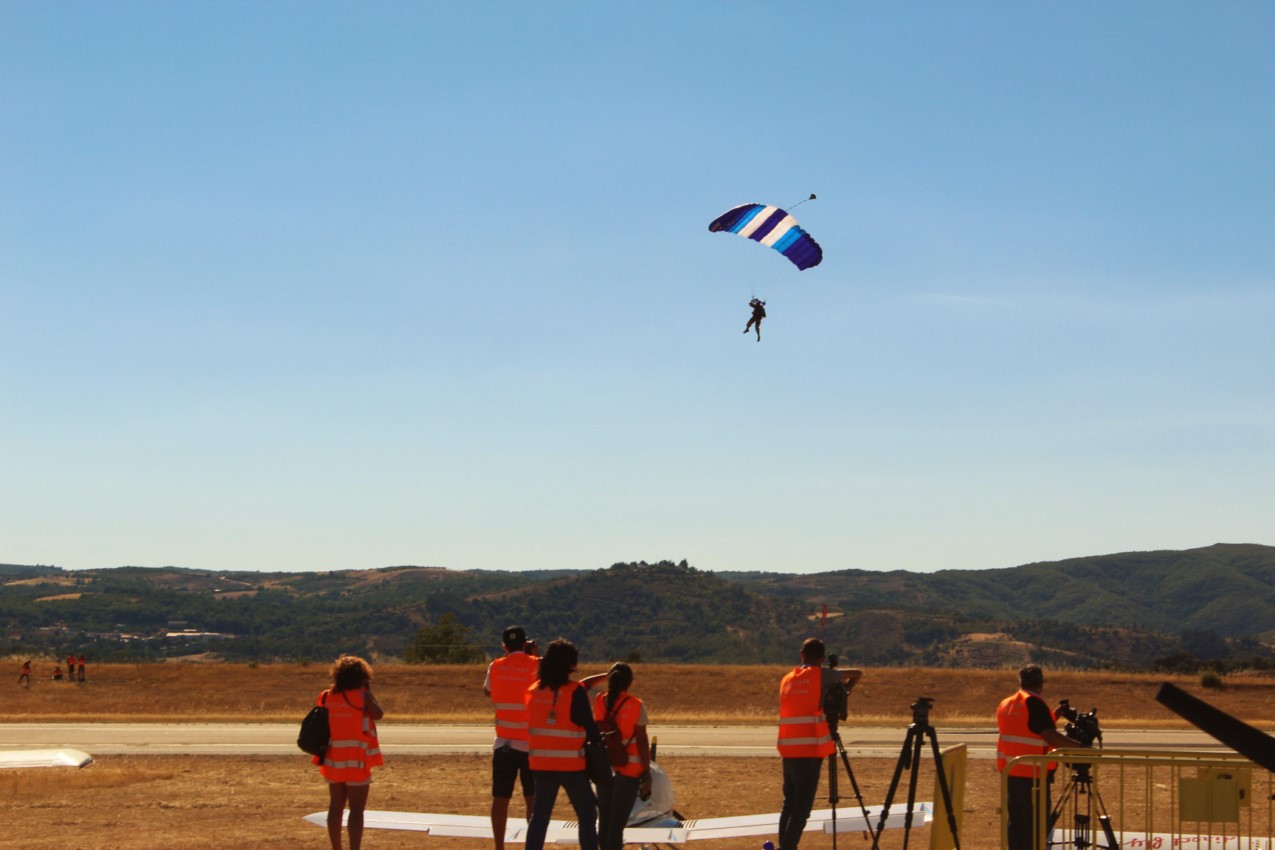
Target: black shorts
<point>507,765</point>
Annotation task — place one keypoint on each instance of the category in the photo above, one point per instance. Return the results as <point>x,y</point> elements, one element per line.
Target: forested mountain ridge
<point>1127,609</point>
<point>1228,588</point>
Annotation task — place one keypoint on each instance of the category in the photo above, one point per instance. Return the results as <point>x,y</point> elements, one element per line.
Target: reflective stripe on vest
<point>626,720</point>
<point>558,745</point>
<point>803,728</point>
<point>353,749</point>
<point>510,678</point>
<point>1016,738</point>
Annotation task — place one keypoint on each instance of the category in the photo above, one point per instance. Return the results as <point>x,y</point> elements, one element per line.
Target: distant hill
<point>1128,610</point>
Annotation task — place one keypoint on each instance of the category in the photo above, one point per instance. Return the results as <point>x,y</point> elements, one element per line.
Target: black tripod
<point>834,795</point>
<point>1080,789</point>
<point>910,758</point>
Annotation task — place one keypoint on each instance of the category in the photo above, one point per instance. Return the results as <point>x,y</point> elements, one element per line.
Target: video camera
<point>1080,727</point>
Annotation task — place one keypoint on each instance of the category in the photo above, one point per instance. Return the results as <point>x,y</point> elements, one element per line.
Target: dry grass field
<point>198,802</point>
<point>185,692</point>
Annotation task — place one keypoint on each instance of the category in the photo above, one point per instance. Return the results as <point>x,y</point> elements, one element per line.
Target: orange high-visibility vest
<point>553,741</point>
<point>626,718</point>
<point>509,680</point>
<point>1015,738</point>
<point>803,728</point>
<point>353,749</point>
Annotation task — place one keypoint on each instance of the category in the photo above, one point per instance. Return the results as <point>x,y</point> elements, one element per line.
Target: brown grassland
<point>198,802</point>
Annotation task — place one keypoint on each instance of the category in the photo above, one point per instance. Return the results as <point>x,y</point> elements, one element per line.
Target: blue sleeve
<point>582,714</point>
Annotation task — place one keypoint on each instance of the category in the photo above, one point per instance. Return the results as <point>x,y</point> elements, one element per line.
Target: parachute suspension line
<point>799,203</point>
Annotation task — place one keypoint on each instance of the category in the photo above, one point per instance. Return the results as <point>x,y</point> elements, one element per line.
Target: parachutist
<point>759,313</point>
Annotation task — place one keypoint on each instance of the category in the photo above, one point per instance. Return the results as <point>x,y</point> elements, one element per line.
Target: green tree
<point>444,642</point>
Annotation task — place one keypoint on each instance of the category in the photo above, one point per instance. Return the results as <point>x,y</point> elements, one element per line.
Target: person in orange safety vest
<point>508,679</point>
<point>1026,726</point>
<point>559,722</point>
<point>353,749</point>
<point>633,778</point>
<point>804,735</point>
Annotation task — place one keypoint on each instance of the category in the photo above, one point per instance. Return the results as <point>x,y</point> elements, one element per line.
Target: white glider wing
<point>849,819</point>
<point>44,758</point>
<point>479,826</point>
<point>565,832</point>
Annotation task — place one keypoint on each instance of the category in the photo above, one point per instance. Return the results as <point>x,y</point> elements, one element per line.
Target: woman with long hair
<point>559,722</point>
<point>615,799</point>
<point>353,749</point>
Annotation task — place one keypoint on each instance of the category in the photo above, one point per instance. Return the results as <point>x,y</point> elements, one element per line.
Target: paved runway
<point>280,739</point>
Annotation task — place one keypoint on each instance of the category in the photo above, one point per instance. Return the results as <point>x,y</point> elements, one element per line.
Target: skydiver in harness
<point>759,313</point>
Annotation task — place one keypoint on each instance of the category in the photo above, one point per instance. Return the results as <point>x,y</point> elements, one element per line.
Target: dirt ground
<point>682,694</point>
<point>144,802</point>
<point>198,803</point>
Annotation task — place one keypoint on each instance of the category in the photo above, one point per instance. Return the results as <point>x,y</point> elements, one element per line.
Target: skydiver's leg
<point>358,802</point>
<point>759,330</point>
<point>336,806</point>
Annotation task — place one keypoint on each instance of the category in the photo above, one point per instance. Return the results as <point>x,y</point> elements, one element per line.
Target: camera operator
<point>1027,726</point>
<point>805,738</point>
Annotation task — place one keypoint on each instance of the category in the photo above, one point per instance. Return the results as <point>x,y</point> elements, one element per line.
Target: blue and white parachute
<point>773,227</point>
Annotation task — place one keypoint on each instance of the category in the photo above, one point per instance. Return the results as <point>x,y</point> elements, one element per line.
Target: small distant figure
<point>70,666</point>
<point>81,670</point>
<point>759,313</point>
<point>57,674</point>
<point>25,676</point>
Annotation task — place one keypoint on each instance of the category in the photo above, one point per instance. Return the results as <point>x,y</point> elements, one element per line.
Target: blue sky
<point>290,286</point>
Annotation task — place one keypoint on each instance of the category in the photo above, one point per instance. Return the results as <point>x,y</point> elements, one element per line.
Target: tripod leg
<point>946,792</point>
<point>894,784</point>
<point>918,741</point>
<point>858,795</point>
<point>833,796</point>
<point>1104,820</point>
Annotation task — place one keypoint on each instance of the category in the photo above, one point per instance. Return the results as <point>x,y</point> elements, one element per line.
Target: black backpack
<point>315,732</point>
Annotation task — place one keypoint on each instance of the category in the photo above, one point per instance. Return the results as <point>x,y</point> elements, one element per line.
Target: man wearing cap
<point>508,679</point>
<point>1026,727</point>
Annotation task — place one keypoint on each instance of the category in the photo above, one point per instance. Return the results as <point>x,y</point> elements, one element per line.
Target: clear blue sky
<point>290,286</point>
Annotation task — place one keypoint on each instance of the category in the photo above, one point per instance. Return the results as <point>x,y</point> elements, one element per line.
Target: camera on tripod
<point>1080,727</point>
<point>836,699</point>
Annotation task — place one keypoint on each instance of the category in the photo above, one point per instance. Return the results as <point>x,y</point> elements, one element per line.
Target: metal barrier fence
<point>1112,799</point>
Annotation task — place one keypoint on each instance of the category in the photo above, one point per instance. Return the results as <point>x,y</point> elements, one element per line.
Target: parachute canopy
<point>773,227</point>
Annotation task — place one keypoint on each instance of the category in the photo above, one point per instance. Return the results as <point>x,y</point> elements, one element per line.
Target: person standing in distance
<point>1026,726</point>
<point>804,737</point>
<point>508,679</point>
